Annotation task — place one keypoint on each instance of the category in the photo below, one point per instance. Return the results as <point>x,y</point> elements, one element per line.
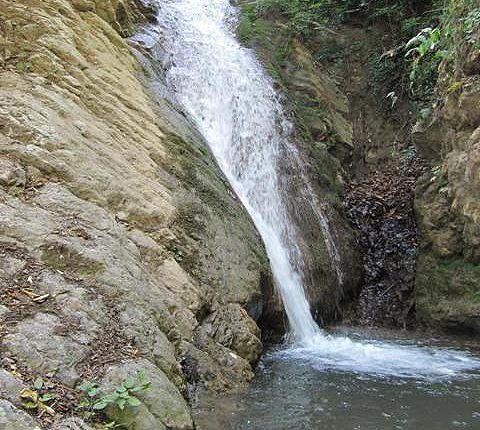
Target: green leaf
<point>84,403</point>
<point>92,392</point>
<point>121,389</point>
<point>121,403</point>
<point>129,383</point>
<point>46,397</point>
<point>134,401</point>
<point>29,404</point>
<point>38,384</point>
<point>101,404</point>
<point>141,387</point>
<point>141,375</point>
<point>137,389</point>
<point>86,386</point>
<point>113,397</point>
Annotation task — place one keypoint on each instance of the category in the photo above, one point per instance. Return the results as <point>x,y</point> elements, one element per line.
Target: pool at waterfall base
<point>380,381</point>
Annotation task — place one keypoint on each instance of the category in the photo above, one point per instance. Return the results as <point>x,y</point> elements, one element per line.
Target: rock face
<point>12,418</point>
<point>162,403</point>
<point>448,203</point>
<point>121,244</point>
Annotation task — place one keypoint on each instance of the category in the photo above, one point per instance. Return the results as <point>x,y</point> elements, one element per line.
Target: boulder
<point>12,418</point>
<point>162,404</point>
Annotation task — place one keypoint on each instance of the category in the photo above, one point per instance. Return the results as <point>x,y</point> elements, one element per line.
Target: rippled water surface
<point>436,388</point>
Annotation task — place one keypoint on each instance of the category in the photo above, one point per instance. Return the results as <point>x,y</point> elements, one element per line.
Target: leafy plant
<point>471,24</point>
<point>427,50</point>
<point>124,395</point>
<point>304,17</point>
<point>37,397</point>
<point>457,27</point>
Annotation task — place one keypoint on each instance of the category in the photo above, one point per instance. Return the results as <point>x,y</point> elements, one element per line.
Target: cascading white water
<point>225,91</point>
<point>232,101</point>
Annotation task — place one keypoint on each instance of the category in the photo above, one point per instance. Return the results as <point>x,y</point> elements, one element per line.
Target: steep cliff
<point>448,196</point>
<point>122,246</point>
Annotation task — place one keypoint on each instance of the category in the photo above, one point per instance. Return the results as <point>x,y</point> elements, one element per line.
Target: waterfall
<point>225,91</point>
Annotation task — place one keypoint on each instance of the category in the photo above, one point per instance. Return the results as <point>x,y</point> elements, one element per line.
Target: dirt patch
<point>22,297</point>
<point>19,293</point>
<point>65,400</point>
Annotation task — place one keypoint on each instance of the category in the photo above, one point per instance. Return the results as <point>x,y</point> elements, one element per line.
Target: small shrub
<point>124,395</point>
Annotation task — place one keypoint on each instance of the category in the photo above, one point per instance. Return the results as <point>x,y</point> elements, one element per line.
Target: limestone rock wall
<point>121,245</point>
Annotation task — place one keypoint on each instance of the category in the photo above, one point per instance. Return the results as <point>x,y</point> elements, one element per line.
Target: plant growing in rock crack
<point>93,402</point>
<point>37,397</point>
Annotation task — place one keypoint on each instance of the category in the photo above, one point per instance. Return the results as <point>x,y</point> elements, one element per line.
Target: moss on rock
<point>448,292</point>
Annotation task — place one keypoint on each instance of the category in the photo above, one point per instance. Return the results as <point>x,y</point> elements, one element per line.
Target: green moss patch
<point>61,257</point>
<point>448,292</point>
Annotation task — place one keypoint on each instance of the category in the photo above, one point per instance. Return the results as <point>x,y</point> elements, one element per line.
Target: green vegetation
<point>38,397</point>
<point>306,17</point>
<point>457,26</point>
<point>422,36</point>
<point>93,402</point>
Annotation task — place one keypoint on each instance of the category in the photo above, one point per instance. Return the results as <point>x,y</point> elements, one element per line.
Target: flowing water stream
<point>224,90</point>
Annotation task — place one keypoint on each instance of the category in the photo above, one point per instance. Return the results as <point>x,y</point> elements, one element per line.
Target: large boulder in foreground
<point>12,418</point>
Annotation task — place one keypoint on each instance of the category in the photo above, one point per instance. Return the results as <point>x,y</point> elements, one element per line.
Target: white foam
<point>328,352</point>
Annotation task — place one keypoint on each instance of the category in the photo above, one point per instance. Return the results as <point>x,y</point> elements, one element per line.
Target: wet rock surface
<point>381,208</point>
<point>119,235</point>
<point>314,101</point>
